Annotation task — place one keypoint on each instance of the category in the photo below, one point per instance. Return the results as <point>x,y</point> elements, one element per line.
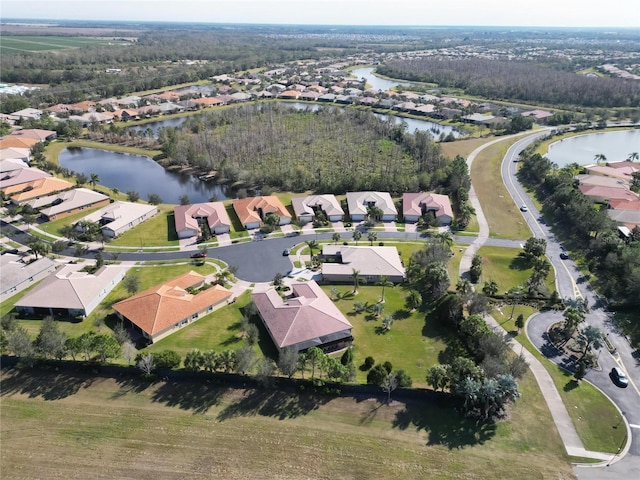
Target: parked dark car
<point>618,377</point>
<point>286,252</point>
<point>199,255</point>
<point>564,255</point>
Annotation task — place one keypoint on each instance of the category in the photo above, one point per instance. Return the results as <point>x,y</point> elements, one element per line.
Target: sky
<point>550,13</point>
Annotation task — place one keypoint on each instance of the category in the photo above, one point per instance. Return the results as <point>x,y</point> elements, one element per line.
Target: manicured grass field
<point>125,428</point>
<point>412,344</point>
<point>503,216</point>
<point>157,231</point>
<point>462,147</point>
<point>23,43</point>
<point>508,270</point>
<point>54,227</point>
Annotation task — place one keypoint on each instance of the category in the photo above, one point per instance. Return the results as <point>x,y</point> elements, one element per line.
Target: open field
<point>503,216</point>
<point>462,147</point>
<point>22,44</point>
<point>86,427</point>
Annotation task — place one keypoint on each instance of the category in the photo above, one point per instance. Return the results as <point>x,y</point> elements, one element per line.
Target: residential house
<point>28,114</point>
<point>372,262</point>
<point>17,275</point>
<point>360,202</point>
<point>119,217</point>
<point>588,179</point>
<point>416,205</point>
<point>12,141</point>
<point>53,207</point>
<point>623,173</point>
<point>35,134</point>
<point>306,208</point>
<point>21,176</point>
<point>11,164</point>
<point>307,319</point>
<point>162,310</point>
<point>126,114</point>
<point>70,291</point>
<point>253,210</point>
<point>603,194</point>
<point>16,153</point>
<point>290,94</point>
<point>208,101</point>
<point>541,116</point>
<point>188,217</point>
<point>36,189</point>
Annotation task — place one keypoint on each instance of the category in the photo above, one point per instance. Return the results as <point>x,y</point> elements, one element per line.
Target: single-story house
<point>305,208</point>
<point>588,179</point>
<point>359,202</point>
<point>187,219</point>
<point>70,292</point>
<point>253,210</point>
<point>36,189</point>
<point>17,275</point>
<point>415,205</point>
<point>28,113</point>
<point>12,141</point>
<point>290,94</point>
<point>21,176</point>
<point>35,134</point>
<point>66,203</point>
<point>628,218</point>
<point>11,164</point>
<point>624,173</point>
<point>603,194</point>
<point>371,262</point>
<point>161,310</point>
<point>119,217</point>
<point>539,115</point>
<point>208,101</point>
<point>307,319</point>
<point>87,119</point>
<point>16,153</point>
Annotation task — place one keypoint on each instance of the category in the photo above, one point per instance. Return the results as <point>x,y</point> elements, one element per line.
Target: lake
<point>139,173</point>
<point>376,83</point>
<point>582,149</point>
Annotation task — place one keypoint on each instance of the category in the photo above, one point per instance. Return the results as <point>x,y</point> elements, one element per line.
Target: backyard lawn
<point>157,231</point>
<point>412,344</point>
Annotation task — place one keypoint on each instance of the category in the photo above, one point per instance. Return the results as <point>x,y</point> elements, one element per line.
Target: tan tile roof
<point>186,216</point>
<point>162,306</point>
<point>440,204</point>
<point>247,208</point>
<point>11,141</point>
<point>21,176</point>
<point>37,188</point>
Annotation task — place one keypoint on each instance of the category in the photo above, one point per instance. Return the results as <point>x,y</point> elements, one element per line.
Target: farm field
<point>127,428</point>
<point>24,44</point>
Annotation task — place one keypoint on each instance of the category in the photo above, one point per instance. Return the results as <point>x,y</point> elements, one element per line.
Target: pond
<point>582,149</point>
<point>141,174</point>
<point>376,83</point>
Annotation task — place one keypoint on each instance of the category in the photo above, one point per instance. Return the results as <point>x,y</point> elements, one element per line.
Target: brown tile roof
<point>186,216</point>
<point>208,101</point>
<point>34,133</point>
<point>162,306</point>
<point>440,204</point>
<point>21,176</point>
<point>247,208</point>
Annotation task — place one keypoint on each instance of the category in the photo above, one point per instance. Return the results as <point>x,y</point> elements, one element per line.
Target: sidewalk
<point>561,418</point>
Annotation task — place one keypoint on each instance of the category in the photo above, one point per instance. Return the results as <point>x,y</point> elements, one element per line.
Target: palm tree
<point>335,237</point>
<point>372,237</point>
<point>357,235</point>
<point>443,237</point>
<point>356,280</point>
<point>633,156</point>
<point>600,157</point>
<point>466,211</point>
<point>93,180</point>
<point>38,247</point>
<point>490,288</point>
<point>115,191</point>
<point>377,309</point>
<point>387,321</point>
<point>590,337</point>
<point>313,245</point>
<point>413,300</point>
<point>572,318</point>
<point>384,282</point>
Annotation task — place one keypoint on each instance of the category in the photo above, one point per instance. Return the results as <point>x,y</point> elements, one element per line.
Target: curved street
<point>571,284</point>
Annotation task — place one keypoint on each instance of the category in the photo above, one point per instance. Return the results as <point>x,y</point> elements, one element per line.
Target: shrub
<point>368,363</point>
<point>167,359</point>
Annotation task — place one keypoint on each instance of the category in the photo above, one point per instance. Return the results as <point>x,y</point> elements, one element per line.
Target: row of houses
<point>610,184</point>
<point>307,318</point>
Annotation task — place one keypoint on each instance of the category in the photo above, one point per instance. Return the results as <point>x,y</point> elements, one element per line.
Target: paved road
<point>571,284</point>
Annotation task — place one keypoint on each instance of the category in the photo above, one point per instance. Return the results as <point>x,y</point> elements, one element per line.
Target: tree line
<point>516,80</point>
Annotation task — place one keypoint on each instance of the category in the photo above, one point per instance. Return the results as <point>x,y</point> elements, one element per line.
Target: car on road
<point>286,252</point>
<point>618,377</point>
<point>564,255</point>
<point>524,208</point>
<point>199,255</point>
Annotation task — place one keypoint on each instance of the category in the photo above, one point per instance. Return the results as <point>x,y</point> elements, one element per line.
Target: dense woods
<point>514,80</point>
<point>330,150</point>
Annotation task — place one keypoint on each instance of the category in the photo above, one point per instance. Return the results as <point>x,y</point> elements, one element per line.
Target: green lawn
<point>55,227</point>
<point>217,331</point>
<point>412,344</point>
<point>158,231</point>
<point>503,265</point>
